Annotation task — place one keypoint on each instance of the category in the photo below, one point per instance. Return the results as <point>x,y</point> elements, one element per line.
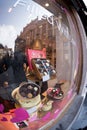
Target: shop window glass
<point>45,55</point>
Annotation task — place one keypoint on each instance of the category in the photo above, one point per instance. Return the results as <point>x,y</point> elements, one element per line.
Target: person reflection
<point>11,74</point>
<point>17,65</point>
<point>4,59</point>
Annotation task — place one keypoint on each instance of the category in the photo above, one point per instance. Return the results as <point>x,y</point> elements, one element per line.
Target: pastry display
<point>43,67</point>
<point>27,94</point>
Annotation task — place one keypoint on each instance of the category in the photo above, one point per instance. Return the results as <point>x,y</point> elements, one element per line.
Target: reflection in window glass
<point>38,57</point>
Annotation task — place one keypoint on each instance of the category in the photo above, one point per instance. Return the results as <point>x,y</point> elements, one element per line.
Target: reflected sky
<point>13,17</point>
<point>13,21</point>
<point>21,14</point>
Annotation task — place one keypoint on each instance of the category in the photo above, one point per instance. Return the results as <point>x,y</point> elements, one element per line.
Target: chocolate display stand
<point>37,52</point>
<point>31,55</point>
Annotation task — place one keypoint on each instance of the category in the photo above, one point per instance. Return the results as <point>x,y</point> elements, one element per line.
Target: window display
<point>40,63</point>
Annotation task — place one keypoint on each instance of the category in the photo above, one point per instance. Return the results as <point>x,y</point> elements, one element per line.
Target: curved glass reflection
<point>38,53</point>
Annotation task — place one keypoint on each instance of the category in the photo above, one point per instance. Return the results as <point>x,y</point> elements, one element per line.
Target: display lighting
<point>47,4</point>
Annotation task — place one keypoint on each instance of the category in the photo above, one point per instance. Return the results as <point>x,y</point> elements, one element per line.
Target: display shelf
<point>36,123</point>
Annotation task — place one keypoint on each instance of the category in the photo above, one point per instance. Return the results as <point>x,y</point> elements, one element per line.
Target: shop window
<point>44,63</point>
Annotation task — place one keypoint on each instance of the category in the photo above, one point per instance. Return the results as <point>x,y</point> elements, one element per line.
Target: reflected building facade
<point>43,30</point>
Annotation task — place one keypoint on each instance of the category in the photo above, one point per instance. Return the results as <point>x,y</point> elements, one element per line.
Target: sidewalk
<point>66,122</point>
<point>81,122</point>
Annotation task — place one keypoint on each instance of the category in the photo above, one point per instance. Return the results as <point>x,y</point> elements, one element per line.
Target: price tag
<point>46,77</point>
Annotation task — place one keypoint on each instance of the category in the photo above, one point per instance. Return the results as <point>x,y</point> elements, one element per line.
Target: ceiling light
<point>47,4</point>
